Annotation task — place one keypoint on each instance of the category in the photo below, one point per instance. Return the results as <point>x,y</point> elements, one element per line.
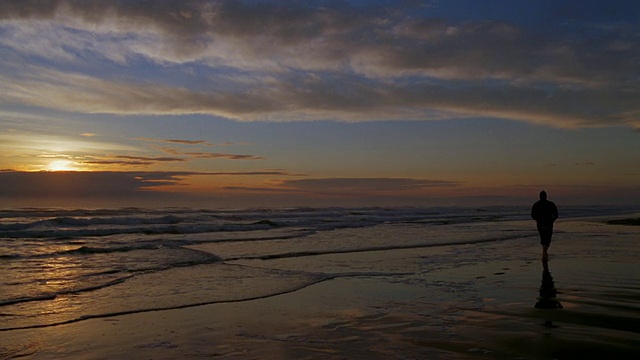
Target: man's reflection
<point>548,292</point>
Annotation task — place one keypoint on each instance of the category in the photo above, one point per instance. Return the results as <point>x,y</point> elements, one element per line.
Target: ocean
<point>60,266</point>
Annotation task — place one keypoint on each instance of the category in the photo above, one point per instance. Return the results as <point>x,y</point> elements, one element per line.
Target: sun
<point>61,165</point>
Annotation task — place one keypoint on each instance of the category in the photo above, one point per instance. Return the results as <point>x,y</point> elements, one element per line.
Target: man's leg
<point>545,241</point>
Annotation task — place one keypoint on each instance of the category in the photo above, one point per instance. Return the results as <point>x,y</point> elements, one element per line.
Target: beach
<point>398,297</point>
<point>328,179</point>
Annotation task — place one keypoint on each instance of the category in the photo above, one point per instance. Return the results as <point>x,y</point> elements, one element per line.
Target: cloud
<point>348,99</point>
<point>143,161</point>
<point>201,154</point>
<point>208,155</point>
<point>301,61</point>
<point>335,188</point>
<point>187,142</point>
<point>148,161</point>
<point>146,158</point>
<point>176,141</point>
<point>256,189</point>
<point>126,160</point>
<point>101,184</point>
<point>363,185</point>
<point>367,183</point>
<point>190,142</point>
<point>81,184</point>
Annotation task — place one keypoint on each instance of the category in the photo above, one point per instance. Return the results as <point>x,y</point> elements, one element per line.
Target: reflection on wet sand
<point>548,293</point>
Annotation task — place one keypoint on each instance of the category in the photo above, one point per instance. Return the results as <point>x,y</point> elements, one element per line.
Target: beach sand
<point>450,302</point>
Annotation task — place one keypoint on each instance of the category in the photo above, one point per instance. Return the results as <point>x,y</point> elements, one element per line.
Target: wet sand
<point>462,302</point>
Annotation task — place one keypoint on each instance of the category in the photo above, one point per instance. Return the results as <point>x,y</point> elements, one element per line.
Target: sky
<point>319,103</point>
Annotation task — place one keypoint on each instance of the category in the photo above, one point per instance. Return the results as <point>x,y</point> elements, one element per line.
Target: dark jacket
<point>544,212</point>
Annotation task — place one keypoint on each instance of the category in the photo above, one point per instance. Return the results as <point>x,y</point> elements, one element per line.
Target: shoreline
<point>462,301</point>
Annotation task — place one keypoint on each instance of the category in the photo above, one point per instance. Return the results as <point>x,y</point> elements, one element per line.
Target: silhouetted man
<point>545,213</point>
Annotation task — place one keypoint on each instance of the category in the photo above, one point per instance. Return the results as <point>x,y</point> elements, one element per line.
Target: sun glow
<point>61,165</point>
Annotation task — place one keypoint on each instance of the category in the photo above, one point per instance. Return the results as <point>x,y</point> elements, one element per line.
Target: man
<point>545,213</point>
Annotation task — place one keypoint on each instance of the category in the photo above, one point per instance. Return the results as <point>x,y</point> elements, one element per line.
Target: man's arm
<point>534,212</point>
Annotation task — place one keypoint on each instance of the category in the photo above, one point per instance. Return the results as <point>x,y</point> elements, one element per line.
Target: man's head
<point>543,195</point>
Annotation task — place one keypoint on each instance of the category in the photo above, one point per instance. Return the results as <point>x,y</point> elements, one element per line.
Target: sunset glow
<point>415,103</point>
<point>61,165</point>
